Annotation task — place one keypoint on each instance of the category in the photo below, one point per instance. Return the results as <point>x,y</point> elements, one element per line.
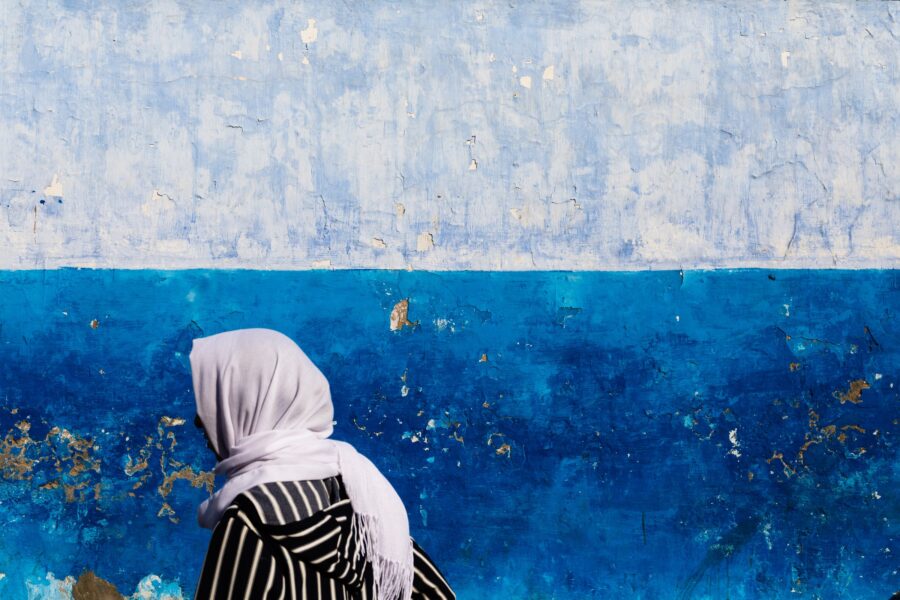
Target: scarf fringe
<point>392,580</point>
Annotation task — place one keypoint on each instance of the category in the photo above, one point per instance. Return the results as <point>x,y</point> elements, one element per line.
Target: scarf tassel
<point>391,579</point>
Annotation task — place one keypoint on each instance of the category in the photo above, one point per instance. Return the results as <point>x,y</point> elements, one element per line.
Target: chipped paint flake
<point>55,188</point>
<point>400,316</point>
<point>735,444</point>
<point>854,394</point>
<point>159,202</point>
<point>310,34</point>
<point>424,242</point>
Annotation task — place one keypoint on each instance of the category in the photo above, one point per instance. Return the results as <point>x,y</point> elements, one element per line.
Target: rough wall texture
<point>684,434</point>
<point>725,434</point>
<point>450,135</point>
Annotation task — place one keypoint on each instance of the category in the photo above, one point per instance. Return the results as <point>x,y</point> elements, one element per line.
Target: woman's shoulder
<point>280,502</point>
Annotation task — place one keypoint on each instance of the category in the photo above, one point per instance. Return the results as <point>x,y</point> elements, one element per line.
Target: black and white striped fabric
<point>291,541</point>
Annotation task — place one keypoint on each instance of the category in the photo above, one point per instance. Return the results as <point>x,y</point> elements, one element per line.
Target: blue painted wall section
<point>703,434</point>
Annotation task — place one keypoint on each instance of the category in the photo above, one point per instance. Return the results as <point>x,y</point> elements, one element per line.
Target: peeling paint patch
<point>90,587</point>
<point>158,202</point>
<point>616,405</point>
<point>55,188</point>
<point>854,394</point>
<point>400,316</point>
<point>310,34</point>
<point>53,589</point>
<point>735,444</point>
<point>424,242</point>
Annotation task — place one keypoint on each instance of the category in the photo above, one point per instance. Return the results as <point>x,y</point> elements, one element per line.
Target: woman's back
<point>293,540</point>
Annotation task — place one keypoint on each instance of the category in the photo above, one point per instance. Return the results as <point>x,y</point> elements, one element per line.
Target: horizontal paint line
<point>861,265</point>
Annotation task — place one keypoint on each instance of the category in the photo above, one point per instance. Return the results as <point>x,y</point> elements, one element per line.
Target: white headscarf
<point>267,411</point>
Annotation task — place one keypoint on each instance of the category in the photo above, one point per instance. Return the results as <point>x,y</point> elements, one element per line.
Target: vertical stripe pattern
<point>291,540</point>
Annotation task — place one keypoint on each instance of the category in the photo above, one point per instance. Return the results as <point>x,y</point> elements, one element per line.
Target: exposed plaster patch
<point>525,81</point>
<point>71,457</point>
<point>55,188</point>
<point>785,55</point>
<point>549,73</point>
<point>854,394</point>
<point>91,587</point>
<point>735,444</point>
<point>158,202</point>
<point>309,34</point>
<point>424,242</point>
<point>400,316</point>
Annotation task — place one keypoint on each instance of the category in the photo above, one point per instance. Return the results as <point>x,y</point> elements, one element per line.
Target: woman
<point>300,516</point>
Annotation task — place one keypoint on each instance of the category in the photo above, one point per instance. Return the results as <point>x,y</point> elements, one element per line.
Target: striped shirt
<point>291,541</point>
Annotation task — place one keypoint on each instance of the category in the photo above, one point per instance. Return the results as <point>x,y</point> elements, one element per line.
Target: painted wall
<point>727,434</point>
<point>478,203</point>
<point>450,135</point>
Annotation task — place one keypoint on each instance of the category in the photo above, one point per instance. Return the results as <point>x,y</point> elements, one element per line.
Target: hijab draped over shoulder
<point>267,411</point>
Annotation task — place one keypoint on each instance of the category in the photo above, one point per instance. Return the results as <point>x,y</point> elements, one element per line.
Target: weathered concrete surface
<point>705,435</point>
<point>450,135</point>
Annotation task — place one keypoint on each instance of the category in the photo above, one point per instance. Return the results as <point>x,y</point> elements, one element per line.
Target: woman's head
<point>249,381</point>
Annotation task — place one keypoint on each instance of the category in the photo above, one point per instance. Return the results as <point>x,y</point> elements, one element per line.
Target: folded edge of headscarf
<point>280,432</point>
